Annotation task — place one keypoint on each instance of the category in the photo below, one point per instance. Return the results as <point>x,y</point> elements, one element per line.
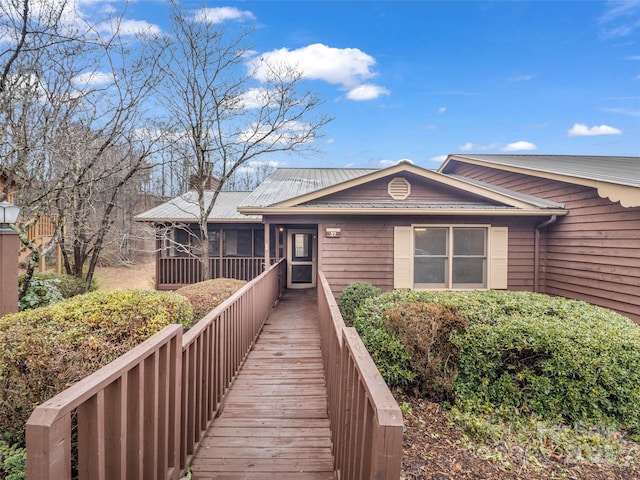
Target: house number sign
<point>332,232</point>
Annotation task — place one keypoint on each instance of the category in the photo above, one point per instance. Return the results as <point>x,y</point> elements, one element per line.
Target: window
<point>450,257</point>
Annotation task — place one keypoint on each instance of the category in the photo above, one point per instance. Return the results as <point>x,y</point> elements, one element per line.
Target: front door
<point>301,259</point>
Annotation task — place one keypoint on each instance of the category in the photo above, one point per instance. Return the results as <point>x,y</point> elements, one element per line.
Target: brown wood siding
<point>364,249</point>
<point>592,253</point>
<point>421,189</point>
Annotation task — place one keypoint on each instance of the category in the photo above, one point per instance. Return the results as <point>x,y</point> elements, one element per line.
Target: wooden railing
<point>215,348</point>
<point>174,272</point>
<point>128,419</point>
<point>366,422</point>
<point>143,415</point>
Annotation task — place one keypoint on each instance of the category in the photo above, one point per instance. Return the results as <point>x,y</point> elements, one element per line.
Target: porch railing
<point>174,272</point>
<point>143,415</point>
<point>366,421</point>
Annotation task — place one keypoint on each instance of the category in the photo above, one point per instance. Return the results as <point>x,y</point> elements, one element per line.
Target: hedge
<point>523,352</point>
<point>207,295</point>
<point>46,350</point>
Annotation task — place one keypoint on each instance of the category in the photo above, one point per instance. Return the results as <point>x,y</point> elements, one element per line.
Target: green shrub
<point>41,292</point>
<point>424,330</point>
<point>207,295</point>
<point>525,352</point>
<point>352,297</point>
<point>45,350</point>
<point>13,462</point>
<point>388,353</point>
<point>563,360</point>
<point>69,285</point>
<point>46,288</point>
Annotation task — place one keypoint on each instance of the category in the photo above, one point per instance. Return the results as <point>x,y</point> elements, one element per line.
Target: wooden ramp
<point>274,422</point>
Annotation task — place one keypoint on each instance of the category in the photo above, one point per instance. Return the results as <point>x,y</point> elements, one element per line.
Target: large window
<point>450,257</point>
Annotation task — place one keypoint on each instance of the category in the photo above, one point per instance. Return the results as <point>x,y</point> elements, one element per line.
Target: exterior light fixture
<point>8,214</point>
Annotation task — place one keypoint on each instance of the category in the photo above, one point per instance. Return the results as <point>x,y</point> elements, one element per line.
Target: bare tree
<point>73,97</point>
<point>223,115</point>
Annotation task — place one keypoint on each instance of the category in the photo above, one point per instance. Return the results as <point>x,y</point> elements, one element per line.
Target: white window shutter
<point>498,261</point>
<point>402,257</point>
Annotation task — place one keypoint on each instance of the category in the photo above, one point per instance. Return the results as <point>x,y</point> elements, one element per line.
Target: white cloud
<point>390,163</point>
<point>92,78</point>
<point>621,19</point>
<point>519,146</point>
<point>130,27</point>
<point>343,66</point>
<point>581,130</point>
<point>439,158</point>
<point>521,78</point>
<point>467,147</point>
<point>441,110</point>
<point>254,98</point>
<point>222,14</point>
<point>367,92</point>
<point>350,68</point>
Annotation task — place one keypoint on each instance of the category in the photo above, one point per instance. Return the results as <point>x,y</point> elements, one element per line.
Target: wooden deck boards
<point>274,421</point>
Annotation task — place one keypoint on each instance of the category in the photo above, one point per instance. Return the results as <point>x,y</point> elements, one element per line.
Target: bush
<point>352,297</point>
<point>41,292</point>
<point>47,288</point>
<point>69,285</point>
<point>13,462</point>
<point>562,360</point>
<point>48,349</point>
<point>424,330</point>
<point>524,352</point>
<point>207,295</point>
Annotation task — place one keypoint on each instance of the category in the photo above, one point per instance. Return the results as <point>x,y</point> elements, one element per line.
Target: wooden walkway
<point>274,422</point>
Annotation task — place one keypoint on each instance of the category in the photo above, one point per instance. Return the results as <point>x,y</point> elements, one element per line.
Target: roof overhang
<point>251,219</point>
<point>628,196</point>
<point>502,212</point>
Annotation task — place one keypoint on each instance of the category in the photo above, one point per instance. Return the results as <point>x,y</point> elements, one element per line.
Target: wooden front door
<point>301,258</point>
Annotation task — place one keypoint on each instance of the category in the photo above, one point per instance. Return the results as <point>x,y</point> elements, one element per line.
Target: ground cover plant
<point>542,376</point>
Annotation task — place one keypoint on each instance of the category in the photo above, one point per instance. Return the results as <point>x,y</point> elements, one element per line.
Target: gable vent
<point>399,188</point>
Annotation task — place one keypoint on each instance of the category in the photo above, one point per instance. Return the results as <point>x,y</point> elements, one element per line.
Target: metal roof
<point>616,170</point>
<point>185,209</point>
<point>533,200</point>
<point>288,183</point>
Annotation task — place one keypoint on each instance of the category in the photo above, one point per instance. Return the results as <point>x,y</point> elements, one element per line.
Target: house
<point>593,252</point>
<point>236,241</point>
<point>553,224</point>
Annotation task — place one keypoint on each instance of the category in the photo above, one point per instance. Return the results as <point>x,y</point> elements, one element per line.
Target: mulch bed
<point>432,449</point>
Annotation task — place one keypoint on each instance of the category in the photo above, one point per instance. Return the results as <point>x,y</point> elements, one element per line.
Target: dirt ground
<point>432,450</point>
<point>141,276</point>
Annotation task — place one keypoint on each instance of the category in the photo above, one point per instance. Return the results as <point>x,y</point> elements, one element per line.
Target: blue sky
<point>419,80</point>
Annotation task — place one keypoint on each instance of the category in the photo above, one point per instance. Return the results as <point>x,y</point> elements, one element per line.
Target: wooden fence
<point>143,415</point>
<point>366,422</point>
<point>175,272</point>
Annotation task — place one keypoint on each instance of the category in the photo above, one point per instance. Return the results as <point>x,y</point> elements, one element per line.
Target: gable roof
<point>304,191</point>
<point>185,209</point>
<point>616,178</point>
